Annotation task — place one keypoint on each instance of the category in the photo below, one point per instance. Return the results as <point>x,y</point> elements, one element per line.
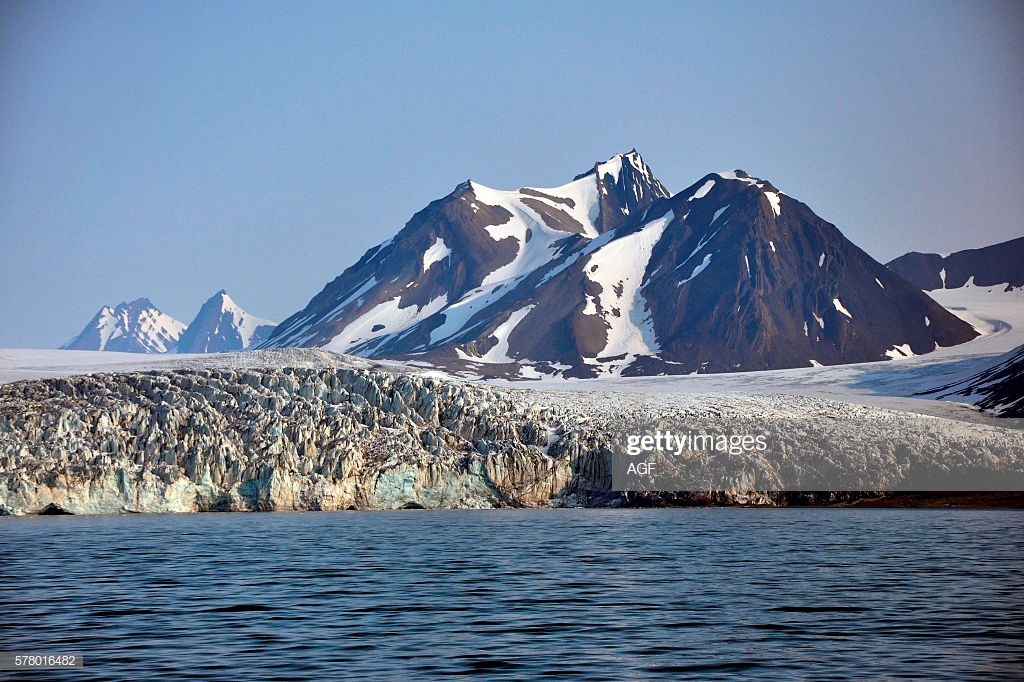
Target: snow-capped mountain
<point>998,264</point>
<point>608,274</point>
<point>221,326</point>
<point>135,327</point>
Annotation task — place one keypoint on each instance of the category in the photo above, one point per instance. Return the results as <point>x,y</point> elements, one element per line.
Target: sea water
<point>520,594</point>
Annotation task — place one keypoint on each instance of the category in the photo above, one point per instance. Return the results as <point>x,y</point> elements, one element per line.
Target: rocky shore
<point>333,438</point>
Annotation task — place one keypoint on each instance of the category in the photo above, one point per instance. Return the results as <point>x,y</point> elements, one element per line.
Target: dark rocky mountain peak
<point>609,274</point>
<point>996,265</point>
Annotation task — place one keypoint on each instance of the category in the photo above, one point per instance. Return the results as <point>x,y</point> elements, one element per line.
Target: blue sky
<point>171,149</point>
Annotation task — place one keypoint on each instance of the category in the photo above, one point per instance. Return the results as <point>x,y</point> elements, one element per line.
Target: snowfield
<point>998,315</point>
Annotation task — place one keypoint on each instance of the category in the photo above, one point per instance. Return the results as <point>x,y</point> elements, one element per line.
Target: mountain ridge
<point>610,274</point>
<point>139,326</point>
<point>993,265</point>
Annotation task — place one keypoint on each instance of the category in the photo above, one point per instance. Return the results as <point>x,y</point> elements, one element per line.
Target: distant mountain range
<point>140,327</point>
<point>610,274</point>
<point>221,326</point>
<point>996,265</point>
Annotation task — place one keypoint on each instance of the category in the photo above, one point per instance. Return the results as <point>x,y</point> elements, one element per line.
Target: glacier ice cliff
<point>281,439</point>
<point>231,438</point>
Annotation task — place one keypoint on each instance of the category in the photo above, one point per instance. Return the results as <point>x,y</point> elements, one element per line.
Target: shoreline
<point>995,500</point>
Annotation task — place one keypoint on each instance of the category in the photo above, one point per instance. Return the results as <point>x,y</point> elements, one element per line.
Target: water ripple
<point>589,594</point>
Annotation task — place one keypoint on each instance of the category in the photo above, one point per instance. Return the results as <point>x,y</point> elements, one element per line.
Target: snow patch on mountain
<point>618,268</point>
<point>499,352</point>
<point>703,190</point>
<point>901,351</point>
<point>697,270</point>
<point>579,198</point>
<point>438,251</point>
<point>524,222</point>
<point>383,319</point>
<point>839,306</point>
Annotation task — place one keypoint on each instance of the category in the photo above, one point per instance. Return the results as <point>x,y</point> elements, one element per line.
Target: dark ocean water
<point>577,594</point>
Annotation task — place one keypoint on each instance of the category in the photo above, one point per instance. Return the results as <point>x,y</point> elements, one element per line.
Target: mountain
<point>135,327</point>
<point>221,326</point>
<point>998,389</point>
<point>609,274</point>
<point>999,264</point>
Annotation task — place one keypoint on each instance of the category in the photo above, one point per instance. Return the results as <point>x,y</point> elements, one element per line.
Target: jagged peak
<point>746,178</point>
<point>613,166</point>
<point>141,302</point>
<point>221,300</point>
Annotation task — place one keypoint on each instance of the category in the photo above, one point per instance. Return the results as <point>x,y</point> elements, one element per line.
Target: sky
<point>172,149</point>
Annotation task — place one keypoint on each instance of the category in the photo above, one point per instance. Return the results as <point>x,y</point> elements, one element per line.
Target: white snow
<point>585,198</point>
<point>612,166</point>
<point>879,283</point>
<point>747,262</point>
<point>942,276</point>
<point>540,250</point>
<point>390,315</point>
<point>771,244</point>
<point>731,175</point>
<point>703,242</point>
<point>703,190</point>
<point>821,322</point>
<point>245,323</point>
<point>839,306</point>
<point>155,331</point>
<point>17,364</point>
<point>927,322</point>
<point>158,330</point>
<point>438,251</point>
<point>805,329</point>
<point>821,260</point>
<point>998,315</point>
<point>621,264</point>
<point>578,199</point>
<point>901,351</point>
<point>457,315</point>
<point>697,270</point>
<point>773,199</point>
<point>718,213</point>
<point>498,354</point>
<point>362,289</point>
<point>815,363</point>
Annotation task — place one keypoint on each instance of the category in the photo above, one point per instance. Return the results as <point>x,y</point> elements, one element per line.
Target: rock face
<point>998,264</point>
<point>330,438</point>
<point>998,389</point>
<point>609,275</point>
<point>222,326</point>
<point>135,327</point>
